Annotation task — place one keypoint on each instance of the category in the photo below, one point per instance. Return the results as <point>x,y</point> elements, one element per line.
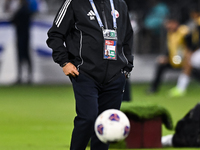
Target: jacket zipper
<point>103,14</point>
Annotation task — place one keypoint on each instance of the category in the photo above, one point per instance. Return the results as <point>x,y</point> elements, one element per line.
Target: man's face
<point>172,25</point>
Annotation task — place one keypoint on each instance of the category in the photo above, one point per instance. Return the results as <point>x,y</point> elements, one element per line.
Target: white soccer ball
<point>112,126</point>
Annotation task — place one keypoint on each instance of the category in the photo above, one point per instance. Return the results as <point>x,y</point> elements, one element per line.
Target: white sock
<point>183,81</point>
<point>167,141</point>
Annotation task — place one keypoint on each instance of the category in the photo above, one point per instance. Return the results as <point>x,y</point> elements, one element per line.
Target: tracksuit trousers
<point>91,100</point>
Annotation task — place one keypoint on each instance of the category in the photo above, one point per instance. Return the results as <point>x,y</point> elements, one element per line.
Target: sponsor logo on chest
<point>92,15</point>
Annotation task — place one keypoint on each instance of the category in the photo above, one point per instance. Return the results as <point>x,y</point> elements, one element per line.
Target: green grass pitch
<point>41,117</point>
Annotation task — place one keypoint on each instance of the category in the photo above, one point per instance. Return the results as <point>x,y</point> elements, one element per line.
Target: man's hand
<point>70,70</point>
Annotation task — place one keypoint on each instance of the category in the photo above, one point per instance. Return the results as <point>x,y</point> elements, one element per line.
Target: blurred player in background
<point>154,18</point>
<point>175,52</point>
<point>193,44</point>
<point>22,21</point>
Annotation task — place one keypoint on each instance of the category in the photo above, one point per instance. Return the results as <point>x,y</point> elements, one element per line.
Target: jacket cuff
<point>63,62</point>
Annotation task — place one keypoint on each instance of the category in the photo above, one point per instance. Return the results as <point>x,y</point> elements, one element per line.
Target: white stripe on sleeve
<point>62,12</point>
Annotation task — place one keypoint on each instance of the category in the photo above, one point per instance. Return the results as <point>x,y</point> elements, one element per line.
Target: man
<point>22,21</point>
<point>89,28</point>
<point>193,44</point>
<point>174,56</point>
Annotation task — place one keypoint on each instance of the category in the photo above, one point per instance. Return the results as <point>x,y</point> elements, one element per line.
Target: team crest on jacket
<point>116,14</point>
<point>91,14</point>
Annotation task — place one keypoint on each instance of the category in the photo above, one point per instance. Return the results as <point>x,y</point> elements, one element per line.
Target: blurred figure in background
<point>175,51</point>
<point>154,19</point>
<point>193,43</point>
<point>186,131</point>
<point>22,20</point>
